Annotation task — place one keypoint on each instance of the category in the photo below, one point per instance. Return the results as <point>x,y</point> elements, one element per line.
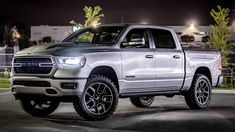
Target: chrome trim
<point>54,65</point>
<point>16,65</point>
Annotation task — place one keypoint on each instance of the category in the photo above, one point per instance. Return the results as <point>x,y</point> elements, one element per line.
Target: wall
<point>57,33</point>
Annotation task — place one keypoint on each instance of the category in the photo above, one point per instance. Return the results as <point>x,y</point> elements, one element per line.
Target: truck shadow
<point>165,118</point>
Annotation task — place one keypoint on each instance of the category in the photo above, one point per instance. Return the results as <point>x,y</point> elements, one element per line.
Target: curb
<point>224,91</point>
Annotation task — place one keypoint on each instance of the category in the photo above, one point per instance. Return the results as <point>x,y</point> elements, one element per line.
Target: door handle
<point>176,56</point>
<point>149,56</point>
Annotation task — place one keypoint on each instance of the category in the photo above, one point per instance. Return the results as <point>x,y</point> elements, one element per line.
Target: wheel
<point>99,99</point>
<point>143,101</point>
<point>199,95</point>
<point>39,107</point>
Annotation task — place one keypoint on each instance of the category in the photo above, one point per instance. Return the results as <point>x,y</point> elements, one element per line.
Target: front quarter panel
<point>105,58</point>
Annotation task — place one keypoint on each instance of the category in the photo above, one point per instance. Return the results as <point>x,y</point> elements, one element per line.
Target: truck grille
<point>33,65</point>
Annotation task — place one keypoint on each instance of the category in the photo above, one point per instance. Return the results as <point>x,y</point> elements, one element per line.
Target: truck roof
<point>136,24</point>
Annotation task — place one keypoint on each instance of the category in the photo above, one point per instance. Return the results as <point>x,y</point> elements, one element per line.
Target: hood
<point>63,49</point>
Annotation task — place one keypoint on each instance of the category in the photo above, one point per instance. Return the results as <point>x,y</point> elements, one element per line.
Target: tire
<point>39,107</point>
<point>199,95</point>
<point>99,99</point>
<point>142,102</point>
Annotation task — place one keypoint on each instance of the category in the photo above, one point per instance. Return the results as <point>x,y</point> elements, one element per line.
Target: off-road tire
<point>192,96</point>
<point>81,106</point>
<point>36,110</point>
<point>141,103</point>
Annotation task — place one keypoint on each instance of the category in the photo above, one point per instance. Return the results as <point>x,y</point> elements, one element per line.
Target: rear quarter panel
<point>196,59</point>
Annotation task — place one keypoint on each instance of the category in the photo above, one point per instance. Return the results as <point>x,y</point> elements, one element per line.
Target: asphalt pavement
<point>165,115</point>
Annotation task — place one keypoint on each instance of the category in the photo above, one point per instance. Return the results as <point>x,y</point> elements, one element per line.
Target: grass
<point>5,83</point>
<point>227,87</point>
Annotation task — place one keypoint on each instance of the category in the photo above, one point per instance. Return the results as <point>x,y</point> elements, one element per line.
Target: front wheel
<point>99,99</point>
<point>39,107</point>
<point>199,95</point>
<point>143,101</point>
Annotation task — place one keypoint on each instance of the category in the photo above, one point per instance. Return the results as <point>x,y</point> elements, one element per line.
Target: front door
<point>138,62</point>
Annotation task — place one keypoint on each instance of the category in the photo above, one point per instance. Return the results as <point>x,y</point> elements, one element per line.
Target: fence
<point>229,75</point>
<point>6,56</point>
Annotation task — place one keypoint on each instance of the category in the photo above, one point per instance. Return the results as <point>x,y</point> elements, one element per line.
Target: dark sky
<point>159,12</point>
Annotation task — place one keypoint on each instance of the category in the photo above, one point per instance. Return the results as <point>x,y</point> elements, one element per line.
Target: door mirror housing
<point>134,42</point>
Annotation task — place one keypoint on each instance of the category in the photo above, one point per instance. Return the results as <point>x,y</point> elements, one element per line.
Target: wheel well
<point>107,72</point>
<point>204,71</point>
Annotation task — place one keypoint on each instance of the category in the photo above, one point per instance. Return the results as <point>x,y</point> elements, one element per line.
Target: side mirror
<point>135,42</point>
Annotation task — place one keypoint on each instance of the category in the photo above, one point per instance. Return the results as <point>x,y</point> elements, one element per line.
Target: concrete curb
<point>223,91</point>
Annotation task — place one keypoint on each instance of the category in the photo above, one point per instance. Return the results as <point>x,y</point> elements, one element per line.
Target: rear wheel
<point>199,95</point>
<point>143,101</point>
<point>39,107</point>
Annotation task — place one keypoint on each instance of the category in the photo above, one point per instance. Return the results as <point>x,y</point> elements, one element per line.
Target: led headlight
<point>71,62</point>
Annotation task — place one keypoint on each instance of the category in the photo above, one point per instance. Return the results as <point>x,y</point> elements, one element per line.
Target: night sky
<point>159,12</point>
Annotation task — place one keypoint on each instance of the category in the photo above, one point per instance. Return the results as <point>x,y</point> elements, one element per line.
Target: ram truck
<point>95,66</point>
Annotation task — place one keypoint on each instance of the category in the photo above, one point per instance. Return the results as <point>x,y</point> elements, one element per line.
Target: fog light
<point>69,85</point>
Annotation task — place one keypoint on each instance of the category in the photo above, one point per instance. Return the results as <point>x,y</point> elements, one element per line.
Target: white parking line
<point>5,93</point>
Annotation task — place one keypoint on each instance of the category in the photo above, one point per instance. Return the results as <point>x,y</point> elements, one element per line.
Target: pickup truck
<point>95,66</point>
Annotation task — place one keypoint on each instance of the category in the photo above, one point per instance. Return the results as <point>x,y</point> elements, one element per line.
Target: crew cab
<point>95,66</point>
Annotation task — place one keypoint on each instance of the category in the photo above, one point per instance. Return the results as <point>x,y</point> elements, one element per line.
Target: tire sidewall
<point>115,98</point>
<point>27,107</point>
<point>148,103</point>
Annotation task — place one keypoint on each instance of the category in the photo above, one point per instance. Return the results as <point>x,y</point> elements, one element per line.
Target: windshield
<point>98,35</point>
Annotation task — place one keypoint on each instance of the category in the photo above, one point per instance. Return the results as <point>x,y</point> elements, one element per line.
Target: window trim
<point>146,33</point>
<point>87,28</point>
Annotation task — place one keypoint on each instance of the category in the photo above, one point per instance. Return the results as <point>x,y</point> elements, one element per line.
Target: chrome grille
<point>33,65</point>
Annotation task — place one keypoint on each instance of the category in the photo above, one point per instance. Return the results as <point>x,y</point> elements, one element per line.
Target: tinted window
<point>163,38</point>
<point>136,38</point>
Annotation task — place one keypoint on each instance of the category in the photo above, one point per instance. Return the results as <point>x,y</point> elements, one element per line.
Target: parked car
<point>187,38</point>
<point>94,67</point>
<point>205,38</point>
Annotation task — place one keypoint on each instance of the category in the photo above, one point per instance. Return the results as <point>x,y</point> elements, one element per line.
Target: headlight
<point>71,62</point>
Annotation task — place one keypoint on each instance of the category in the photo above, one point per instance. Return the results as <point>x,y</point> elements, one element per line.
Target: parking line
<point>5,93</point>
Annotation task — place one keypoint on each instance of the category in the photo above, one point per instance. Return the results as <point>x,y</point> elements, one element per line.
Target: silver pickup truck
<point>93,67</point>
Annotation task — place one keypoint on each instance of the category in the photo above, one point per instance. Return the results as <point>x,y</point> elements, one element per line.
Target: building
<point>57,33</point>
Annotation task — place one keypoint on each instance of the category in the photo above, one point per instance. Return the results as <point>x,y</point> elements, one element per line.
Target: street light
<point>192,26</point>
<point>144,23</point>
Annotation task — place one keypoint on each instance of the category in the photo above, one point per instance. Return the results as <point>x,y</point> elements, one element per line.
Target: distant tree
<point>220,31</point>
<point>92,17</point>
<point>23,31</point>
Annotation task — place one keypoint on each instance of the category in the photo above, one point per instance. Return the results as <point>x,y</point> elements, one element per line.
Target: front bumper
<point>55,85</point>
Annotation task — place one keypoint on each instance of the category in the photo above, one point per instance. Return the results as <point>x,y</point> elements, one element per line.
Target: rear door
<point>169,61</point>
<point>138,62</point>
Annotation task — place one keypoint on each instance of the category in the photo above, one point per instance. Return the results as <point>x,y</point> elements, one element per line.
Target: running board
<point>155,93</point>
